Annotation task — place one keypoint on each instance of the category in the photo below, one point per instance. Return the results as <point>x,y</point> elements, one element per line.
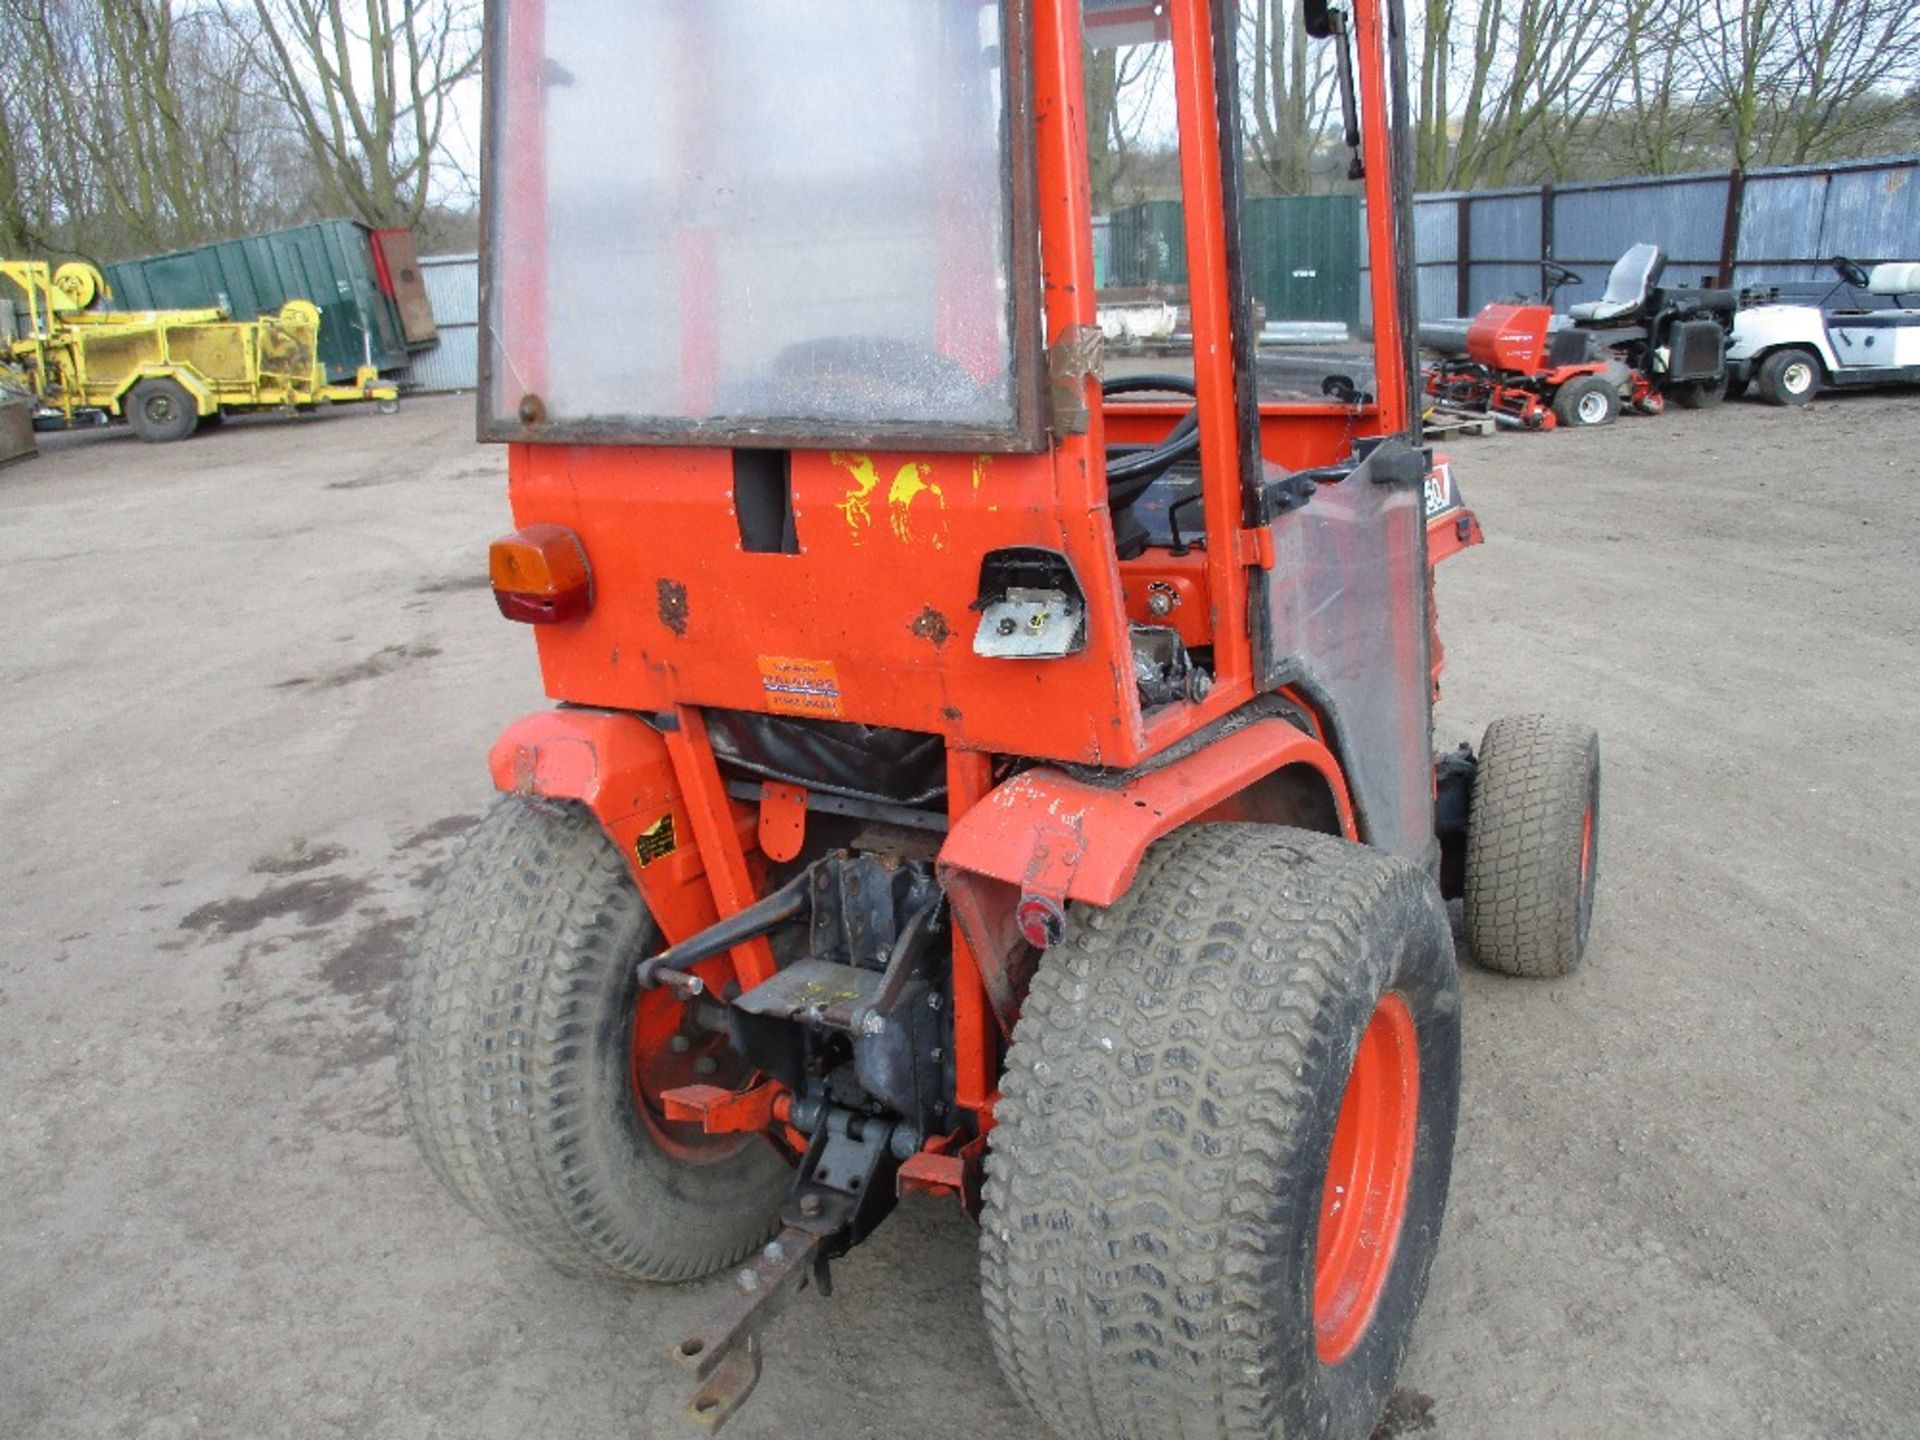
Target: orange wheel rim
<point>1586,846</point>
<point>669,1052</point>
<point>1369,1172</point>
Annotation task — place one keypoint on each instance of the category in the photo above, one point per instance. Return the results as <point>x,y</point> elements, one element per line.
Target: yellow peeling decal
<point>908,486</point>
<point>865,479</point>
<point>980,464</point>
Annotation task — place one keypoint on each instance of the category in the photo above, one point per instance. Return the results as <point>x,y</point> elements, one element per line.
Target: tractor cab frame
<point>891,677</point>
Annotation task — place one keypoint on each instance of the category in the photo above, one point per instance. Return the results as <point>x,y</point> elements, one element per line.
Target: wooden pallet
<point>1445,424</point>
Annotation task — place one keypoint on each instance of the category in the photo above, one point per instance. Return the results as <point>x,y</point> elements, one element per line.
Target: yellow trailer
<point>167,372</point>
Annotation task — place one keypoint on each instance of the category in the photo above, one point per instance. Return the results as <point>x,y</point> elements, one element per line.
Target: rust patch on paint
<point>673,605</point>
<point>930,624</point>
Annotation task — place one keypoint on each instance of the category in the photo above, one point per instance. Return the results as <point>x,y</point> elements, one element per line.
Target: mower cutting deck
<point>976,774</point>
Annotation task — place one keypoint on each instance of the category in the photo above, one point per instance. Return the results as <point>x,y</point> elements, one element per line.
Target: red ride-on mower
<point>1631,350</point>
<point>975,775</point>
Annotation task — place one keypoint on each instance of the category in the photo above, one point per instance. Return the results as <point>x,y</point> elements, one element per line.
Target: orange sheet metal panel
<point>869,621</point>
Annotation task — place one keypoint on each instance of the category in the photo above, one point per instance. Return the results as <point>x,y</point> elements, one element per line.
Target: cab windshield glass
<point>732,220</point>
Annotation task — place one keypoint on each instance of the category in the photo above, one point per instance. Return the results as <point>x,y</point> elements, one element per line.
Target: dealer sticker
<point>1441,496</point>
<point>794,686</point>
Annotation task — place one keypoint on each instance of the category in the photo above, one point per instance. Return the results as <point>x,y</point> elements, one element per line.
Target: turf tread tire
<point>1527,911</point>
<point>1771,380</point>
<point>513,1043</point>
<point>1567,401</point>
<point>1160,1142</point>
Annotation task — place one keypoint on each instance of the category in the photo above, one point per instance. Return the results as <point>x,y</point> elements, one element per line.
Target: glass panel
<point>1303,216</point>
<point>1346,606</point>
<point>1133,164</point>
<point>780,218</point>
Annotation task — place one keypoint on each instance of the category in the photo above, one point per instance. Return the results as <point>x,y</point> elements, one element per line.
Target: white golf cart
<point>1863,331</point>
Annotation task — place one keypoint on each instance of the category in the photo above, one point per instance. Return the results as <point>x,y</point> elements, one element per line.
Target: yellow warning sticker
<point>656,842</point>
<point>800,687</point>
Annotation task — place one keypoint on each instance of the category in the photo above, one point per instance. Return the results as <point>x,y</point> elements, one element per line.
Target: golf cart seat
<point>1628,288</point>
<point>1901,277</point>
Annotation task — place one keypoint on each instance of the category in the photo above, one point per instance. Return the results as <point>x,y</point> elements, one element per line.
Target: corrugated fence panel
<point>1436,230</point>
<point>452,364</point>
<point>1596,225</point>
<point>1780,216</point>
<point>1504,281</point>
<point>1505,227</point>
<point>1872,215</point>
<point>453,286</point>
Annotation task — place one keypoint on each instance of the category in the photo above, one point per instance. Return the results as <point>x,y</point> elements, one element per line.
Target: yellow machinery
<point>167,371</point>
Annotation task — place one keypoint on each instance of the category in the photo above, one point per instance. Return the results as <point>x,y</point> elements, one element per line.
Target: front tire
<point>1533,846</point>
<point>1586,401</point>
<point>529,1059</point>
<point>1192,1226</point>
<point>1789,377</point>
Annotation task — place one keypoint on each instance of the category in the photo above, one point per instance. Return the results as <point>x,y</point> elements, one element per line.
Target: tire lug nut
<point>705,1065</point>
<point>679,1044</point>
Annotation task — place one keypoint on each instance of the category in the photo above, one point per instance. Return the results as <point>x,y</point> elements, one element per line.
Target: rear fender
<point>1046,838</point>
<point>617,766</point>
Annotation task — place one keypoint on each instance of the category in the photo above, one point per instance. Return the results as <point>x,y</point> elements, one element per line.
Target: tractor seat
<point>1628,287</point>
<point>1896,278</point>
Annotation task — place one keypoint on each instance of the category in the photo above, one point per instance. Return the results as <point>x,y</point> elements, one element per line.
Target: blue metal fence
<point>1760,227</point>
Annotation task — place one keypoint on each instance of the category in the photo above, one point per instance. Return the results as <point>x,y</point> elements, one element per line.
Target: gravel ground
<point>249,687</point>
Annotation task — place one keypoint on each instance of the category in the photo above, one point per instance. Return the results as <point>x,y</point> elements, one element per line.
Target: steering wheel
<point>1850,272</point>
<point>1560,274</point>
<point>1129,474</point>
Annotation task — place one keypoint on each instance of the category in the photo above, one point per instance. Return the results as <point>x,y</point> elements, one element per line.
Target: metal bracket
<point>1031,625</point>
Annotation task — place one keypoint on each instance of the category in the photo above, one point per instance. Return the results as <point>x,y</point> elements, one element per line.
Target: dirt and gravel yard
<point>247,686</point>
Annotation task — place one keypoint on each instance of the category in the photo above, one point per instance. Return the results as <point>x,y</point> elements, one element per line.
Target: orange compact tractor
<point>976,773</point>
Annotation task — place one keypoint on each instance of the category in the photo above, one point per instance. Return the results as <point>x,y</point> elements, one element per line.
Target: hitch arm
<point>723,1351</point>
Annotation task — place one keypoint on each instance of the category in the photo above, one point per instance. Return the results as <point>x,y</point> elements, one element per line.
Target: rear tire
<point>1699,394</point>
<point>1533,846</point>
<point>1789,377</point>
<point>161,410</point>
<point>517,1075</point>
<point>1586,401</point>
<point>1162,1249</point>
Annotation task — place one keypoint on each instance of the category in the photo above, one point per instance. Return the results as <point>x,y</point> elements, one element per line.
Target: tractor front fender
<point>1045,837</point>
<point>617,766</point>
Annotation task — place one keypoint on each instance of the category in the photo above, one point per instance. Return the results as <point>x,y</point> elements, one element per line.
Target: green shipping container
<point>1303,256</point>
<point>1302,253</point>
<point>330,263</point>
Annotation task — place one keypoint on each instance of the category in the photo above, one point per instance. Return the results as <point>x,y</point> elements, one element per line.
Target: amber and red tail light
<point>540,575</point>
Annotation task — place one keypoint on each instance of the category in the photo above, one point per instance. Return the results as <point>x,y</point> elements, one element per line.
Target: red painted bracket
<point>726,1112</point>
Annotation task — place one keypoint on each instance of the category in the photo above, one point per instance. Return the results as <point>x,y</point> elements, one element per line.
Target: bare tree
<point>370,84</point>
<point>1289,90</point>
<point>121,128</point>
